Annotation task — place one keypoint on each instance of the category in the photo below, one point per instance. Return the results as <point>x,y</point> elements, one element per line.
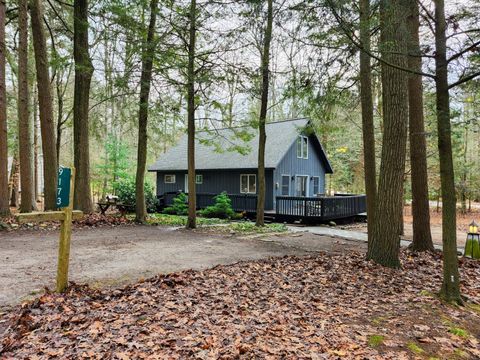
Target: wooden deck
<point>290,208</point>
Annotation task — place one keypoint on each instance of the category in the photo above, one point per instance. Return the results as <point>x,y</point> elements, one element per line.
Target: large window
<point>248,183</point>
<point>285,185</point>
<point>169,179</point>
<point>302,147</point>
<point>316,185</point>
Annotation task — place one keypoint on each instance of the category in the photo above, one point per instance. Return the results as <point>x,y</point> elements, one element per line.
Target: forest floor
<point>118,255</point>
<point>463,220</point>
<point>319,306</point>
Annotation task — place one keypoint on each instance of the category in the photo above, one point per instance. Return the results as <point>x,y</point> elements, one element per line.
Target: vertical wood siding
<point>216,181</point>
<point>291,165</point>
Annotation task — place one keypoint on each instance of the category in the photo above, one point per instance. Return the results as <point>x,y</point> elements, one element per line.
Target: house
<point>226,160</point>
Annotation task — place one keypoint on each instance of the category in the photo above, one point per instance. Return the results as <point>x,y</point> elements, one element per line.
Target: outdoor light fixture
<point>472,246</point>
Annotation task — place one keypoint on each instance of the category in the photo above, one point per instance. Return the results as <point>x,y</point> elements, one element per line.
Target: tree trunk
<point>450,290</point>
<point>385,244</point>
<point>15,181</point>
<point>4,208</point>
<point>422,237</point>
<point>192,193</point>
<point>45,104</point>
<point>145,81</point>
<point>83,77</point>
<point>24,128</point>
<point>368,129</point>
<point>262,138</point>
<point>35,147</point>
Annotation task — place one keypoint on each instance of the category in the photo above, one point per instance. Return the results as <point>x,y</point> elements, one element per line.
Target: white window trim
<point>302,137</point>
<point>281,184</point>
<point>198,176</point>
<point>169,182</point>
<point>313,184</point>
<point>248,182</point>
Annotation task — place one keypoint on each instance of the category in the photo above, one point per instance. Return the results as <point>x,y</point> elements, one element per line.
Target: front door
<point>301,185</point>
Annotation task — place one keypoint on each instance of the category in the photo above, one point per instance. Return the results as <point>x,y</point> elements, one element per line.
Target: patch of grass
<point>378,320</point>
<point>460,353</point>
<point>426,293</point>
<point>458,331</point>
<point>375,340</point>
<point>415,348</point>
<point>474,307</point>
<point>249,227</point>
<point>180,220</point>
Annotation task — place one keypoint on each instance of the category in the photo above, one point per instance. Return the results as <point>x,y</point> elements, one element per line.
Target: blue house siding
<point>292,165</point>
<point>216,181</point>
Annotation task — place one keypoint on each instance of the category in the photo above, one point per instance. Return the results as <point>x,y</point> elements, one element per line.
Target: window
<point>169,179</point>
<point>248,184</point>
<point>285,185</point>
<point>316,185</point>
<point>302,147</point>
<point>199,179</point>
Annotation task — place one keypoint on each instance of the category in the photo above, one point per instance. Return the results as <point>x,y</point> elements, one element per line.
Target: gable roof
<point>219,149</point>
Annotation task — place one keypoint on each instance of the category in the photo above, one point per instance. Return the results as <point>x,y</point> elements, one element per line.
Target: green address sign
<point>63,187</point>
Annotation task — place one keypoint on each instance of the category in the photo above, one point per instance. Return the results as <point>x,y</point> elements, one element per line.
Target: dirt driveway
<point>114,256</point>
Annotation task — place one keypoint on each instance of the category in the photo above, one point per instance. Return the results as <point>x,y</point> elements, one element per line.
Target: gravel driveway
<point>119,255</point>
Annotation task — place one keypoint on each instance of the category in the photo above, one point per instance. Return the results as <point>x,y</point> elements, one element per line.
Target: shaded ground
<point>463,220</point>
<point>119,255</point>
<point>317,307</point>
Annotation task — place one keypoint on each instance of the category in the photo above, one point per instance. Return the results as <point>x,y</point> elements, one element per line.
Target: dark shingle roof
<point>218,149</point>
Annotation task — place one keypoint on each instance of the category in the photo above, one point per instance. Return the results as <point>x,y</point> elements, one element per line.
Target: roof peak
<point>249,125</point>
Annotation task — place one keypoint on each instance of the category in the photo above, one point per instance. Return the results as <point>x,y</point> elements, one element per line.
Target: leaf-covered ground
<point>318,307</point>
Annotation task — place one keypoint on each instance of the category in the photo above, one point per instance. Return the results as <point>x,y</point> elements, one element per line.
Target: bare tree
<point>24,135</point>
<point>422,237</point>
<point>4,207</point>
<point>265,70</point>
<point>368,129</point>
<point>451,278</point>
<point>83,77</point>
<point>192,192</point>
<point>47,125</point>
<point>145,82</point>
<point>385,245</point>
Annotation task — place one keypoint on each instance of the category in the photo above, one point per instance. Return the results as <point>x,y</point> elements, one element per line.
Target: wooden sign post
<point>65,189</point>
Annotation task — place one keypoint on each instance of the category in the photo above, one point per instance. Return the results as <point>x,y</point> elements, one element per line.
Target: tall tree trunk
<point>35,146</point>
<point>192,191</point>
<point>45,104</point>
<point>450,290</point>
<point>262,138</point>
<point>24,128</point>
<point>385,244</point>
<point>83,77</point>
<point>145,81</point>
<point>368,129</point>
<point>15,181</point>
<point>4,208</point>
<point>422,237</point>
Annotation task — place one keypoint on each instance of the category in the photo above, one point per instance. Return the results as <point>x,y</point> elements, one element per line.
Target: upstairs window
<point>248,183</point>
<point>302,147</point>
<point>169,179</point>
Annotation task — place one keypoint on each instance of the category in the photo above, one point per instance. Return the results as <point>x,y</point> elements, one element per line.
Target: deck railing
<point>240,202</point>
<point>320,208</point>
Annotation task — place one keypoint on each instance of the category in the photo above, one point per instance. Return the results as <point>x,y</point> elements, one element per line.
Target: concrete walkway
<point>350,235</point>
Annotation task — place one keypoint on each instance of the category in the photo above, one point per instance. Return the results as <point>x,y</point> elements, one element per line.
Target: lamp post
<point>472,246</point>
